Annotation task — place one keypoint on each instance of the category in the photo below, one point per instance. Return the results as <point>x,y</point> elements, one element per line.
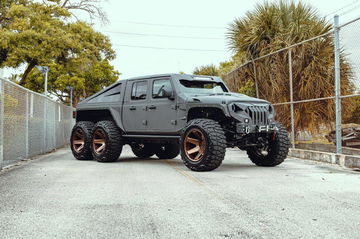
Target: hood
<point>223,98</point>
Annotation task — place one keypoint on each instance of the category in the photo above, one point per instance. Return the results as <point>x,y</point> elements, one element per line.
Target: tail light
<point>74,114</point>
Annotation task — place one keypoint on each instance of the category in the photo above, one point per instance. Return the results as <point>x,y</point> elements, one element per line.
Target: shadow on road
<point>226,166</point>
<point>136,159</point>
<point>236,166</point>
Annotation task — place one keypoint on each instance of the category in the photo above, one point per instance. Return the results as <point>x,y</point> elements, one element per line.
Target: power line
<point>167,36</point>
<point>169,48</point>
<point>342,8</point>
<point>174,25</point>
<point>350,10</point>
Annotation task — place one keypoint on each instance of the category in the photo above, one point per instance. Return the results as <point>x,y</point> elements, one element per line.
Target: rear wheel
<point>143,150</point>
<point>106,143</point>
<point>80,140</point>
<point>168,151</point>
<point>203,145</point>
<point>275,152</point>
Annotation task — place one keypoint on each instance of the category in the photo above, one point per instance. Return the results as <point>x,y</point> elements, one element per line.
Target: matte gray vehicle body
<point>167,116</point>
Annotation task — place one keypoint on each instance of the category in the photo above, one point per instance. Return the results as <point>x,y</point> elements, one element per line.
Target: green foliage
<point>355,114</point>
<point>4,7</point>
<point>275,25</point>
<point>85,79</point>
<point>248,89</point>
<point>43,34</point>
<point>272,26</point>
<point>207,70</point>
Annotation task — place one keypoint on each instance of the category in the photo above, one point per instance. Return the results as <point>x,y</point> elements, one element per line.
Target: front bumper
<point>243,128</point>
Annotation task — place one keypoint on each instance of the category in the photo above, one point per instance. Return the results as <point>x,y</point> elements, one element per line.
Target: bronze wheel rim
<point>195,145</point>
<point>98,141</point>
<point>78,140</point>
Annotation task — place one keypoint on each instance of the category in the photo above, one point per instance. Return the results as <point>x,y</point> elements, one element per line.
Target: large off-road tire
<point>276,151</point>
<point>143,150</point>
<point>168,151</point>
<point>203,145</point>
<point>80,140</point>
<point>106,143</point>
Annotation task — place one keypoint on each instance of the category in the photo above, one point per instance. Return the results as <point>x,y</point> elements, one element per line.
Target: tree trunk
<point>30,66</point>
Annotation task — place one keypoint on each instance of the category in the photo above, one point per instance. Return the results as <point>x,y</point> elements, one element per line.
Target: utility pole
<point>337,85</point>
<point>2,98</point>
<point>291,100</point>
<point>44,70</point>
<point>71,89</point>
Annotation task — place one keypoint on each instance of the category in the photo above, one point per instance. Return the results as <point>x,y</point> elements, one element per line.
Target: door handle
<point>151,107</point>
<point>132,108</point>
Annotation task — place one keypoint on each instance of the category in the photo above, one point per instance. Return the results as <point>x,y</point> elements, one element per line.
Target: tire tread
<point>216,145</point>
<point>282,150</point>
<point>86,127</point>
<point>114,143</point>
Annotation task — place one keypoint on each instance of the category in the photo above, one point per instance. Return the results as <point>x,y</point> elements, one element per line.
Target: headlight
<point>236,108</point>
<point>271,109</point>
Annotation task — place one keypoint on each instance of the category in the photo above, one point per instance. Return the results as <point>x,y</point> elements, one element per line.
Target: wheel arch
<point>97,115</point>
<point>209,112</point>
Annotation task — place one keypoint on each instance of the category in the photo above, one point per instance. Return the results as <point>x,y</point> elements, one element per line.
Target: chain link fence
<point>30,123</point>
<point>300,80</point>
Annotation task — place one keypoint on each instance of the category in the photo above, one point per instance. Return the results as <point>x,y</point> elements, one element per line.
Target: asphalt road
<point>56,196</point>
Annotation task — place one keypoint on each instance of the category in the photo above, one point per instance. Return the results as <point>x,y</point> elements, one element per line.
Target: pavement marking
<point>189,176</point>
<point>201,183</point>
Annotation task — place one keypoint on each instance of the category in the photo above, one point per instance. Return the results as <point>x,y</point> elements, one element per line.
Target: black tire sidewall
<point>145,152</point>
<point>279,150</point>
<point>170,151</point>
<point>112,149</point>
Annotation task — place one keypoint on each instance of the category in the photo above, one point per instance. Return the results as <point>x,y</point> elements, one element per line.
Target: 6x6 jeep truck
<point>165,115</point>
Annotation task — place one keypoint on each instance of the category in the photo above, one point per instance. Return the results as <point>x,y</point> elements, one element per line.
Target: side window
<point>139,90</point>
<point>162,89</point>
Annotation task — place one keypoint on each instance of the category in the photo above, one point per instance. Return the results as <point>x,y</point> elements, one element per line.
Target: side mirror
<point>169,94</point>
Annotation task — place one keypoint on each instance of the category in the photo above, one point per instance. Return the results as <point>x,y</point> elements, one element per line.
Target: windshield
<point>203,87</point>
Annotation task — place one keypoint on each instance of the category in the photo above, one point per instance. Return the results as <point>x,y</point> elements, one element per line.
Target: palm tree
<point>273,26</point>
<point>208,70</point>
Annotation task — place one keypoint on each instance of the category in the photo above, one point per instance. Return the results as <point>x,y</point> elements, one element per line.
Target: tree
<point>208,70</point>
<point>273,26</point>
<point>85,80</point>
<point>91,7</point>
<point>41,34</point>
<point>355,114</point>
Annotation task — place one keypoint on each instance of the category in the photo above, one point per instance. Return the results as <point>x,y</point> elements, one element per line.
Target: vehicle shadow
<point>177,162</point>
<point>236,166</point>
<point>151,159</point>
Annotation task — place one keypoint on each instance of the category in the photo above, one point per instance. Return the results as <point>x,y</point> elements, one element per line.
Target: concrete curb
<point>350,161</point>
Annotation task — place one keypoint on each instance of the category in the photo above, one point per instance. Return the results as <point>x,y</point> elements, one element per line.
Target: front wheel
<point>203,145</point>
<point>106,143</point>
<point>275,152</point>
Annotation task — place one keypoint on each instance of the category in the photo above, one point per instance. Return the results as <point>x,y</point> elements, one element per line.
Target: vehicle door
<point>135,106</point>
<point>162,108</point>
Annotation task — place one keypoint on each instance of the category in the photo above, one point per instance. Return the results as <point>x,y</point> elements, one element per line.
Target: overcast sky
<point>197,25</point>
<point>190,20</point>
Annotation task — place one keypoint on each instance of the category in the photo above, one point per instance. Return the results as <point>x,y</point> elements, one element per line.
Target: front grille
<point>258,114</point>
